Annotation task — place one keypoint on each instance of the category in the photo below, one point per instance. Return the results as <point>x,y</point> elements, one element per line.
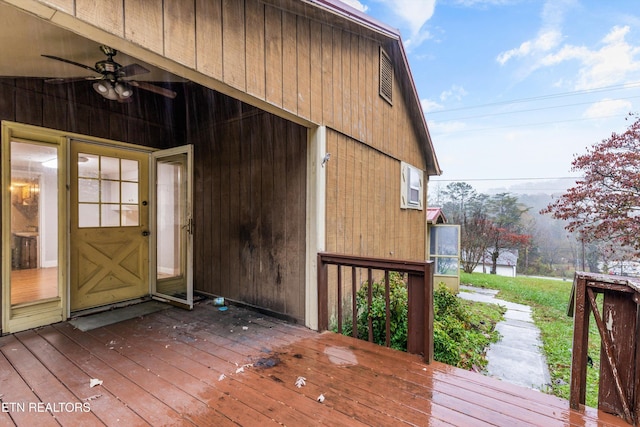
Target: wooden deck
<point>238,367</point>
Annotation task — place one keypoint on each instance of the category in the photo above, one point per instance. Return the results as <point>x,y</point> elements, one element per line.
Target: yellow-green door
<point>109,224</point>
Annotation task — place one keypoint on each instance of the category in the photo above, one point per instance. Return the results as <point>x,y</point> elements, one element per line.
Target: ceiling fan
<point>110,82</point>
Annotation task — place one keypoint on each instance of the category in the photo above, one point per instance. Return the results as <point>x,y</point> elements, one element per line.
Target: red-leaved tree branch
<point>605,204</point>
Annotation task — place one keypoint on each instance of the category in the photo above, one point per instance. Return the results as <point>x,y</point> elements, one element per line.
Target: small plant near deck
<point>398,302</point>
<point>462,329</point>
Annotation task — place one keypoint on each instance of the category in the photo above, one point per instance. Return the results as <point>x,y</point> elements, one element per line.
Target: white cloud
<point>429,105</point>
<point>613,63</point>
<point>608,107</point>
<point>456,92</point>
<point>413,15</point>
<point>544,42</point>
<point>549,36</point>
<point>356,5</point>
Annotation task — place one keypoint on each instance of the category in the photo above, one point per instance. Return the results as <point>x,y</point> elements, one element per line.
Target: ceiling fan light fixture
<point>105,89</point>
<point>101,87</point>
<point>123,90</point>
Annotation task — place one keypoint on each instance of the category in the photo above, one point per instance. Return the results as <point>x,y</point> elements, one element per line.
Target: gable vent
<point>386,77</point>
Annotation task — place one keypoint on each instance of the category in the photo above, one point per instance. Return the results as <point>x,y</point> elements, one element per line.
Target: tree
<point>466,207</point>
<point>605,204</point>
<point>505,231</point>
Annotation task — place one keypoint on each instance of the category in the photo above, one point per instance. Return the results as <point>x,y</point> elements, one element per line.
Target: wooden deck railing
<point>617,321</point>
<point>420,296</point>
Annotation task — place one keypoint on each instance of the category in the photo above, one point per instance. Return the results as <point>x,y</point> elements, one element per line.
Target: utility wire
<point>506,179</point>
<point>522,125</point>
<point>545,97</point>
<point>541,108</point>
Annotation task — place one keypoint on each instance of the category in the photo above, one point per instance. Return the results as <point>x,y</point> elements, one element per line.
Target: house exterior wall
<point>363,204</point>
<point>300,62</point>
<point>250,192</point>
<point>501,270</point>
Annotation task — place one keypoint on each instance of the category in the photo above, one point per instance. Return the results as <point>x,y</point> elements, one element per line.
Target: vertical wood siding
<point>363,204</point>
<point>284,52</point>
<point>253,210</point>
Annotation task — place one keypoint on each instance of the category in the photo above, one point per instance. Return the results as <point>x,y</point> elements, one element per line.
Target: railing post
<point>428,316</point>
<point>420,313</point>
<point>323,295</point>
<point>578,386</point>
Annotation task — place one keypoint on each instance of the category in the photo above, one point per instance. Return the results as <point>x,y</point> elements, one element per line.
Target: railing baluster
<point>339,299</point>
<point>369,303</point>
<point>387,300</point>
<point>354,303</point>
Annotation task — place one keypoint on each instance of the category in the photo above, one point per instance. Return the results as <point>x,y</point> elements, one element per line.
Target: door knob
<point>145,233</point>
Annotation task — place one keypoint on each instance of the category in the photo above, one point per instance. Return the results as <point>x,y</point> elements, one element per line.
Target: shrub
<point>462,330</point>
<point>398,299</point>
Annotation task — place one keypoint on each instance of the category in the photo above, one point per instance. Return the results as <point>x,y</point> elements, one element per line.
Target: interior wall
<point>250,188</point>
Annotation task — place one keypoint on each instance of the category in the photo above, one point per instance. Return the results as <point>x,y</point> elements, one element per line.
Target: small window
<point>411,190</point>
<point>107,191</point>
<point>386,77</point>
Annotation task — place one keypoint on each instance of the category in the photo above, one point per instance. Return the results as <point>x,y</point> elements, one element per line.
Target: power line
<point>544,97</point>
<point>506,179</point>
<point>522,125</point>
<point>541,108</point>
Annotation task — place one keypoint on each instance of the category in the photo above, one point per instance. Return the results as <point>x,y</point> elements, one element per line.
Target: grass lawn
<point>549,300</point>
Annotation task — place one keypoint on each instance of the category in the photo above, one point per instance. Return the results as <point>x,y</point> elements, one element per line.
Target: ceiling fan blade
<point>57,81</point>
<point>153,88</point>
<point>77,64</point>
<point>132,70</point>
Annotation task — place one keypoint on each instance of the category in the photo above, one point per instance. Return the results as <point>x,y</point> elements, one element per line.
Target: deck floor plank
<point>16,393</point>
<point>115,381</point>
<point>177,367</point>
<point>109,409</point>
<point>289,408</point>
<point>184,372</point>
<point>47,388</point>
<point>185,405</point>
<point>244,351</point>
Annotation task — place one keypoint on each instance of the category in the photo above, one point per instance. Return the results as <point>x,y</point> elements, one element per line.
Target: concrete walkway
<point>517,358</point>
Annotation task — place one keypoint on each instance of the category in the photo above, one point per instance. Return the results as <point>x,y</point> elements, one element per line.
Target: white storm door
<point>172,225</point>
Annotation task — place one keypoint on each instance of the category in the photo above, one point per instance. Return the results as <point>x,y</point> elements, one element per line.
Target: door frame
<point>187,302</point>
<point>52,311</point>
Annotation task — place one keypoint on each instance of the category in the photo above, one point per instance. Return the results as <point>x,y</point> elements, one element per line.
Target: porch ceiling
<point>24,38</point>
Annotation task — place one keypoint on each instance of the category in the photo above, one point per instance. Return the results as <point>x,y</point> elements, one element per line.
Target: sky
<point>512,90</point>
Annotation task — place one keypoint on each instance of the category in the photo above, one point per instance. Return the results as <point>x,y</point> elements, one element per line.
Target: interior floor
<point>33,284</point>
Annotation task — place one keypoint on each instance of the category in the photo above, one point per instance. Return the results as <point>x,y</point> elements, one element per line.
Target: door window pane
<point>129,192</point>
<point>88,165</point>
<point>88,190</point>
<point>88,215</point>
<point>129,170</point>
<point>109,167</point>
<point>171,227</point>
<point>110,192</point>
